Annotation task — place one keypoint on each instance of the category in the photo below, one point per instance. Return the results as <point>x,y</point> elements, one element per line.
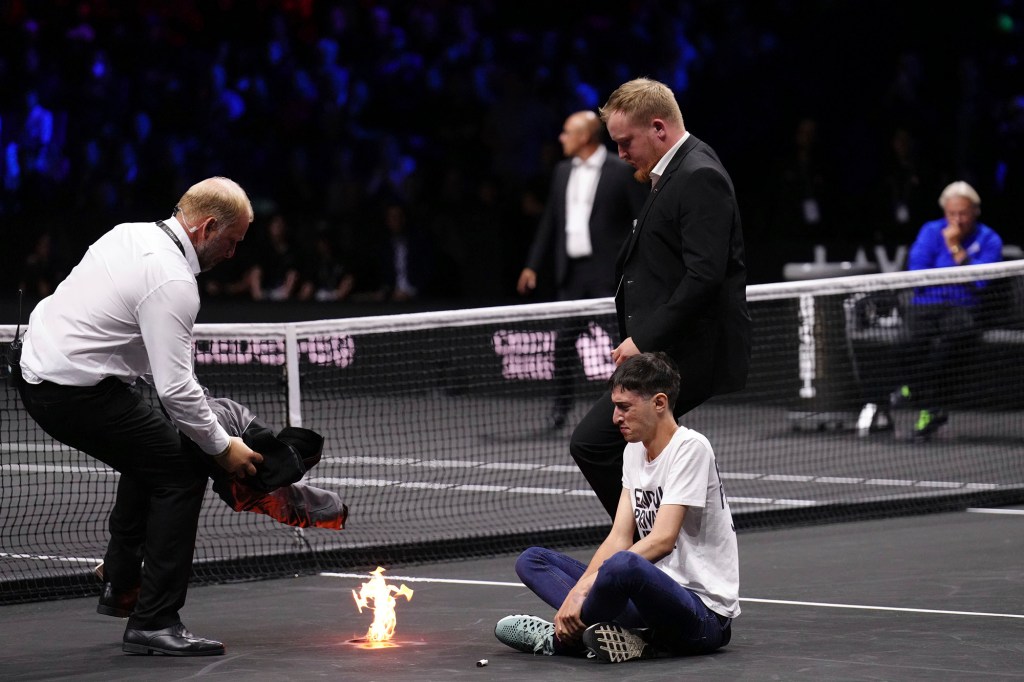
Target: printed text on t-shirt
<point>646,508</point>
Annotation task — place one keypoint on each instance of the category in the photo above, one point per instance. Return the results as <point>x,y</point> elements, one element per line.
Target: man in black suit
<point>591,205</point>
<point>681,272</point>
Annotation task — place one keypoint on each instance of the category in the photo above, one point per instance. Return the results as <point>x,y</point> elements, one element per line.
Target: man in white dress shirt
<point>591,205</point>
<point>126,312</point>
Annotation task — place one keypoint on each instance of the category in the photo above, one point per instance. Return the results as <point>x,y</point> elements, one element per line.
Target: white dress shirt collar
<point>659,169</point>
<point>595,160</point>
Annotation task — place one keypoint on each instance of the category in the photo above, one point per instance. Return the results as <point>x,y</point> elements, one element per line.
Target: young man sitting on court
<point>676,590</point>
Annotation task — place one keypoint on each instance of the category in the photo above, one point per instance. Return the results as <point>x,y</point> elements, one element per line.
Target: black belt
<point>163,226</point>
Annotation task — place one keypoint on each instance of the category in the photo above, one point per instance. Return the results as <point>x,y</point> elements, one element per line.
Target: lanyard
<point>163,226</point>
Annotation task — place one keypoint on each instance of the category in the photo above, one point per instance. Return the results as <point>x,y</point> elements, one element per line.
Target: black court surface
<point>935,597</point>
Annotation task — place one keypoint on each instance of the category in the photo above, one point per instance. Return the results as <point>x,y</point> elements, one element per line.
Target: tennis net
<point>437,435</point>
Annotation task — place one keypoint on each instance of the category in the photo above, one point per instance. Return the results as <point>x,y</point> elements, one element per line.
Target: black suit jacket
<point>617,202</point>
<point>682,276</point>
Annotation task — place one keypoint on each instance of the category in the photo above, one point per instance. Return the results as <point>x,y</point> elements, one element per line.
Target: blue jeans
<point>634,593</point>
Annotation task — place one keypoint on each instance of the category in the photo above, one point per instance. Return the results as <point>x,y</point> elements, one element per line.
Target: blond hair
<point>219,197</point>
<point>642,99</point>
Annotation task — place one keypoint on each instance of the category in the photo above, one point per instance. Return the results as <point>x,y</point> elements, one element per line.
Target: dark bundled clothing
<point>275,490</point>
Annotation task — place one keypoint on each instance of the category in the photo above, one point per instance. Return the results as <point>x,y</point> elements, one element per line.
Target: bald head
<point>587,121</point>
<point>581,134</point>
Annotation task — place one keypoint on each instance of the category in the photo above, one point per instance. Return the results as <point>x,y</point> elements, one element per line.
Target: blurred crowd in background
<point>401,151</point>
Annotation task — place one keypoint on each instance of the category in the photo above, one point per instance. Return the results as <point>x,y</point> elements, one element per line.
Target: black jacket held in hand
<point>276,489</point>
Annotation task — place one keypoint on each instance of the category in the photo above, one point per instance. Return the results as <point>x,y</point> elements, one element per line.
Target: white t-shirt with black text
<point>705,558</point>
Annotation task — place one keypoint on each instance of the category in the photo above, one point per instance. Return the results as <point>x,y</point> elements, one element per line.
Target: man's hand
<point>953,234</point>
<point>239,459</point>
<point>625,351</point>
<point>569,626</point>
<point>527,281</point>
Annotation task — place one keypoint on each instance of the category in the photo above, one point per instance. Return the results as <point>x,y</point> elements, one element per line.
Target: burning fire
<point>383,597</point>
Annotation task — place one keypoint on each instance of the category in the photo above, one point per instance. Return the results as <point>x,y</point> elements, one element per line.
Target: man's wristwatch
<point>955,250</point>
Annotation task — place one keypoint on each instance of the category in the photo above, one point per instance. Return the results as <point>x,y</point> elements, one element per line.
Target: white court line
<point>570,468</point>
<point>10,469</point>
<point>495,583</point>
<point>520,490</point>
<point>65,468</point>
<point>45,557</point>
<point>978,510</point>
<point>20,447</point>
<point>414,579</point>
<point>352,482</point>
<point>864,607</point>
<point>349,482</point>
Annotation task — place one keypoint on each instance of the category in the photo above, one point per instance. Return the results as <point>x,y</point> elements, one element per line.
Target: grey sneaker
<point>527,633</point>
<point>613,643</point>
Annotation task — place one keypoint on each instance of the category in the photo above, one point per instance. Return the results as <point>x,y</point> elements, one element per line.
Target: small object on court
<point>481,663</point>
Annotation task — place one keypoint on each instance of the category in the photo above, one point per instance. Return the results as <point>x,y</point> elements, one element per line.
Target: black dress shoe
<point>172,641</point>
<point>117,603</point>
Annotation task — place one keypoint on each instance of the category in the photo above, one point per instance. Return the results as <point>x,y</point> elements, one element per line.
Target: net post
<point>291,350</point>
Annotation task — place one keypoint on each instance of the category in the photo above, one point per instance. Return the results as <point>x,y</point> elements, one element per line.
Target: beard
<point>643,175</point>
<point>204,254</point>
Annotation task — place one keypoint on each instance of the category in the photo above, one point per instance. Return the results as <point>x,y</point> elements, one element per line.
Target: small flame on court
<point>384,600</point>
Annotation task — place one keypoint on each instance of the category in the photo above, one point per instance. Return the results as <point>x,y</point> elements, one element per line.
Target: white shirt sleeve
<point>687,481</point>
<point>166,318</point>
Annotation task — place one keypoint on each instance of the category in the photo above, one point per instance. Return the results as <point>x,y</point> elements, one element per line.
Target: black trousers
<point>596,443</point>
<point>566,364</point>
<point>941,336</point>
<point>584,278</point>
<point>159,494</point>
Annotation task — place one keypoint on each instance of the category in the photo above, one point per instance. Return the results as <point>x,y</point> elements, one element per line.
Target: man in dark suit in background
<point>591,205</point>
<point>681,272</point>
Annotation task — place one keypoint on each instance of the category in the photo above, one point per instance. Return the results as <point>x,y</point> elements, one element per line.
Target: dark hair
<point>648,374</point>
